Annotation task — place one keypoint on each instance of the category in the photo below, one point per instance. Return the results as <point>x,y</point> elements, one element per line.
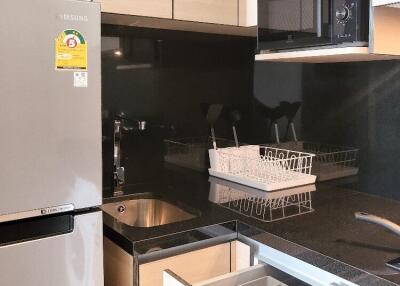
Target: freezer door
<point>74,258</point>
<point>50,123</point>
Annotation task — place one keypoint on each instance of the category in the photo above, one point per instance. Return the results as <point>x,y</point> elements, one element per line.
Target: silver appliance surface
<point>51,126</point>
<point>71,259</point>
<point>50,148</point>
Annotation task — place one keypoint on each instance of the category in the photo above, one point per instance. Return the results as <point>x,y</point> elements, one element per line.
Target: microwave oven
<point>298,24</point>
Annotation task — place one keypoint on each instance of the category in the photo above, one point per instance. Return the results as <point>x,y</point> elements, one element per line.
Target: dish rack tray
<point>262,167</point>
<point>330,162</point>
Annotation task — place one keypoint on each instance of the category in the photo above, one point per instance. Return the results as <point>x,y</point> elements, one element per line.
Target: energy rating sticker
<point>71,51</point>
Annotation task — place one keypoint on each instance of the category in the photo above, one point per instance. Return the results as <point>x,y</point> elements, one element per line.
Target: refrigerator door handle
<point>35,228</point>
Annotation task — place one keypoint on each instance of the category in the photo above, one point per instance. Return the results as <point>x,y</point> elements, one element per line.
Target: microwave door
<point>287,24</point>
<point>314,21</point>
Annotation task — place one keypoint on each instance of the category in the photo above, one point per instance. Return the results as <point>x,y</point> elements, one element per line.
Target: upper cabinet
<point>248,13</point>
<point>207,11</point>
<point>230,17</point>
<point>149,8</point>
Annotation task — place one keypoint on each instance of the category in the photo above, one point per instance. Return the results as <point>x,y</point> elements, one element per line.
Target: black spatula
<point>212,115</point>
<point>290,110</point>
<point>235,117</point>
<point>273,115</point>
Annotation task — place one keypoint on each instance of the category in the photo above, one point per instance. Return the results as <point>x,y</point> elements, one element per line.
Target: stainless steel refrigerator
<point>50,143</point>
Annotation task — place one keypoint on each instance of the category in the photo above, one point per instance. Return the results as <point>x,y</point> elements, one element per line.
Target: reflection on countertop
<point>261,205</point>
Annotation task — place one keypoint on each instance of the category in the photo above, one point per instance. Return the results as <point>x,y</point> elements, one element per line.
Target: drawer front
<point>207,11</point>
<point>193,266</point>
<point>149,8</point>
<point>39,256</point>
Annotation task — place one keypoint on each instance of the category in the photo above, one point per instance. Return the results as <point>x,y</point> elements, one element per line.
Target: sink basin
<point>146,212</point>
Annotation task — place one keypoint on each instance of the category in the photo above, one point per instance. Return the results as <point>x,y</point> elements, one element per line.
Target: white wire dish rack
<point>262,167</point>
<point>263,206</point>
<point>331,162</point>
<point>191,152</point>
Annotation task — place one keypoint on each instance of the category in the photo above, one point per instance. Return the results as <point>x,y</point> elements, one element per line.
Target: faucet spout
<point>119,171</point>
<point>120,125</point>
<point>389,225</point>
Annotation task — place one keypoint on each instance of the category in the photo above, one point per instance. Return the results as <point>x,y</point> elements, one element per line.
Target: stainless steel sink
<point>146,212</point>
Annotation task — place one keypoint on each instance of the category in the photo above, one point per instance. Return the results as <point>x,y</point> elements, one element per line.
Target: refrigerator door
<point>36,252</point>
<point>50,121</point>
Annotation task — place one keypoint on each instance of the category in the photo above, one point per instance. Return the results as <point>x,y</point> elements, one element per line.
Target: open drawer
<point>253,276</point>
<point>257,264</point>
<point>227,254</point>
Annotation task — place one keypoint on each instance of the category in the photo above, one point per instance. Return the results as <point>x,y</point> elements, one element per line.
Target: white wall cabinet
<point>207,11</point>
<point>231,17</point>
<point>149,8</point>
<point>248,13</point>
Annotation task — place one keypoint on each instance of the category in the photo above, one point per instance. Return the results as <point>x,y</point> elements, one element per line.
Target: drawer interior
<point>241,272</point>
<point>226,262</point>
<point>257,264</point>
<point>257,275</point>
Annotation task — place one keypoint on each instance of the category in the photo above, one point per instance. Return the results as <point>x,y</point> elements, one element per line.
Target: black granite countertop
<point>330,229</point>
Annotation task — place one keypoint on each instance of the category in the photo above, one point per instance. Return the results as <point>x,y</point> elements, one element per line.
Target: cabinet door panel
<point>207,11</point>
<point>149,8</point>
<point>194,266</point>
<point>248,13</point>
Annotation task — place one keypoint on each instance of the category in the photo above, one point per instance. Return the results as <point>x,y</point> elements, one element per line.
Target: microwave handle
<point>319,18</point>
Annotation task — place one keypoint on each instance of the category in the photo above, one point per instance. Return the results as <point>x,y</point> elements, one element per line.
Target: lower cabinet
<point>241,273</point>
<point>194,266</point>
<point>203,263</point>
<point>118,265</point>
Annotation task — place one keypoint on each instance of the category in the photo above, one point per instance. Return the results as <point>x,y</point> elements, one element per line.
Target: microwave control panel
<point>349,21</point>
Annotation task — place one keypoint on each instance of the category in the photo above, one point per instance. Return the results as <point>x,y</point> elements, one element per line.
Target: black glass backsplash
<point>163,77</point>
<point>349,104</point>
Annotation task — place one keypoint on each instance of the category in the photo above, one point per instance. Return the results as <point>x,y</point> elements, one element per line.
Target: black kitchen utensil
<point>273,115</point>
<point>212,113</point>
<point>235,117</point>
<point>290,110</point>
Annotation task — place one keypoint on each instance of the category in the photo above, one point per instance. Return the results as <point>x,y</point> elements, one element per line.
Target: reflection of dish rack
<point>191,152</point>
<point>261,167</point>
<point>266,207</point>
<point>330,162</point>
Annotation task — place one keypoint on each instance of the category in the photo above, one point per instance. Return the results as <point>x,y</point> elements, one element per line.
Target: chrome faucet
<point>119,171</point>
<point>389,225</point>
<point>120,125</point>
<point>383,222</point>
